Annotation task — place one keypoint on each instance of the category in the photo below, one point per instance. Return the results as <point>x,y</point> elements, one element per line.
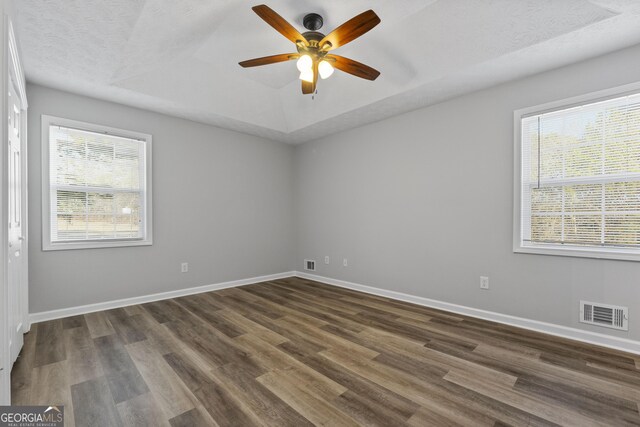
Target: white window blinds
<point>581,176</point>
<point>97,185</point>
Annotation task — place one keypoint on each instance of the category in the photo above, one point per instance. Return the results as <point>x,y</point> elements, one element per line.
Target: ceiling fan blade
<point>355,68</point>
<point>266,60</point>
<point>350,30</point>
<point>279,23</point>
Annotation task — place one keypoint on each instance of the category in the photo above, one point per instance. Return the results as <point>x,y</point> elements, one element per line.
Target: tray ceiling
<point>180,57</point>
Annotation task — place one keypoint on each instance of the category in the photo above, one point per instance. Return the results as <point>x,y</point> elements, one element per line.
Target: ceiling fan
<point>313,47</point>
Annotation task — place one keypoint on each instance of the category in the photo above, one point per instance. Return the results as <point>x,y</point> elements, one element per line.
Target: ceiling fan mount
<point>312,21</point>
<point>314,58</point>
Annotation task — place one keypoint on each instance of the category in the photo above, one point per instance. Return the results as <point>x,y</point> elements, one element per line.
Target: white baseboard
<point>617,343</point>
<point>603,340</point>
<point>90,308</point>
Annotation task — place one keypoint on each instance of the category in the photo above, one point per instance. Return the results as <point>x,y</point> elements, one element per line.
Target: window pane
<point>622,229</point>
<point>546,199</point>
<point>551,157</point>
<point>100,227</point>
<point>95,183</point>
<point>582,160</point>
<point>622,156</point>
<point>71,202</point>
<point>588,189</point>
<point>71,227</point>
<point>126,167</point>
<point>68,164</point>
<point>127,226</point>
<point>127,218</point>
<point>100,204</point>
<point>546,228</point>
<point>622,196</point>
<point>583,198</point>
<point>586,229</point>
<point>99,170</point>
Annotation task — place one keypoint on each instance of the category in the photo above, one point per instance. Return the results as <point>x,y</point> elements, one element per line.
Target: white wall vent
<point>609,316</point>
<point>309,265</point>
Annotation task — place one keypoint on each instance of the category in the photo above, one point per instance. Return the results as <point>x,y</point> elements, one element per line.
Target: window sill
<point>48,246</point>
<point>598,253</point>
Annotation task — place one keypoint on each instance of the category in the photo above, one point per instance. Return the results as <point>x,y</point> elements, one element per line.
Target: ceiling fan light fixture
<point>307,75</point>
<point>325,69</point>
<point>304,63</point>
<point>313,59</point>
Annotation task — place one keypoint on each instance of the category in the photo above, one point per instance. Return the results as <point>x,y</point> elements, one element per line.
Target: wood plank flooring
<point>293,352</point>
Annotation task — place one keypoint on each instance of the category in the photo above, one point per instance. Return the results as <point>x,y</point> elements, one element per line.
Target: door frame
<point>10,67</point>
<point>17,73</point>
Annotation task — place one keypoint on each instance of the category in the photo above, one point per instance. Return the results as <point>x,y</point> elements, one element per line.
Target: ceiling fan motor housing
<point>313,36</point>
<point>312,21</point>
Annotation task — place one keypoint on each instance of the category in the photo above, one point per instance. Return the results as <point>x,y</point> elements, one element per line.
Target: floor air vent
<point>609,316</point>
<point>310,265</point>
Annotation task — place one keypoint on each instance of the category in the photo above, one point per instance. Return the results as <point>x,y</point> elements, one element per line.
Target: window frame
<point>621,253</point>
<point>47,243</point>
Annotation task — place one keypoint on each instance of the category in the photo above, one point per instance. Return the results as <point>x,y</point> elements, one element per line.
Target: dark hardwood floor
<point>294,352</point>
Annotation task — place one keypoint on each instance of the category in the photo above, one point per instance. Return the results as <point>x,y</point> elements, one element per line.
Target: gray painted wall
<point>422,204</point>
<point>392,197</point>
<point>222,201</point>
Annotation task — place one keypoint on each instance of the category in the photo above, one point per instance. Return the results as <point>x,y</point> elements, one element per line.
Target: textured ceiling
<point>180,57</point>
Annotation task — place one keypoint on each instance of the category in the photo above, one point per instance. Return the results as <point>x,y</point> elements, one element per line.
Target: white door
<point>13,208</point>
<point>14,271</point>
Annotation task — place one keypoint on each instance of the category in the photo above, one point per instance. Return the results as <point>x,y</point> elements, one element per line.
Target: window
<point>96,186</point>
<point>578,177</point>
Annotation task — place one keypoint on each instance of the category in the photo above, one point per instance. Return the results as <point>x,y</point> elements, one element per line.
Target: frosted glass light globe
<point>307,75</point>
<point>304,63</point>
<point>325,69</point>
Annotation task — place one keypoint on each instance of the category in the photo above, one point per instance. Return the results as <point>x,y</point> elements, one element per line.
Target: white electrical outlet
<point>345,263</point>
<point>184,267</point>
<point>326,260</point>
<point>484,282</point>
